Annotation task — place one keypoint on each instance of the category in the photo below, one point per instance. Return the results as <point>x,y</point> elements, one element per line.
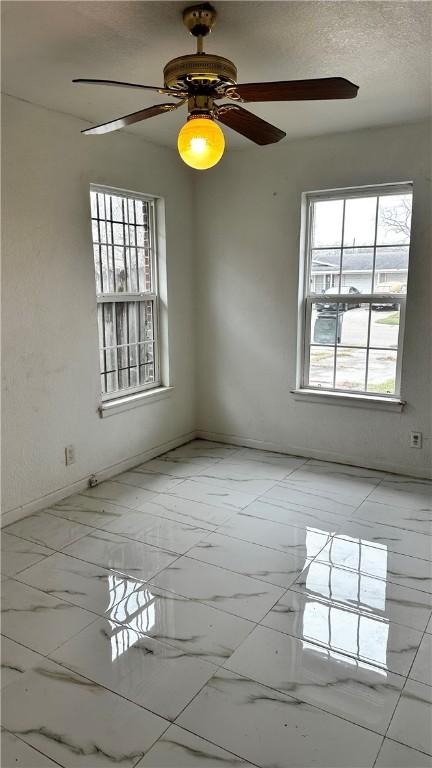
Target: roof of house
<point>359,259</point>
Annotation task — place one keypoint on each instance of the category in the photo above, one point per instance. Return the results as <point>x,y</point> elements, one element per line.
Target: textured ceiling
<point>384,47</point>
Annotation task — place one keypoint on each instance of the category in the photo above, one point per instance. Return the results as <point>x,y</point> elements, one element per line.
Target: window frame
<point>306,300</point>
<point>141,296</point>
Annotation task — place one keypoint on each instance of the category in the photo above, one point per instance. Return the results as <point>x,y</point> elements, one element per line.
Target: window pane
<point>391,269</point>
<point>382,371</point>
<point>327,223</point>
<point>360,214</point>
<point>321,366</point>
<point>110,350</point>
<point>122,227</point>
<point>120,269</point>
<point>384,330</point>
<point>350,368</point>
<point>325,327</point>
<point>353,324</point>
<point>116,208</point>
<point>324,270</point>
<point>357,267</point>
<point>394,219</point>
<point>123,260</point>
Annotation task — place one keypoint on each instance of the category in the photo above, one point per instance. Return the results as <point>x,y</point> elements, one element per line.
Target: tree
<point>397,218</point>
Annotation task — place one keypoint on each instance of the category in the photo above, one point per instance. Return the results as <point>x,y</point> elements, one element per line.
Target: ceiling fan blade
<point>294,90</point>
<point>134,117</point>
<point>169,91</point>
<point>249,125</point>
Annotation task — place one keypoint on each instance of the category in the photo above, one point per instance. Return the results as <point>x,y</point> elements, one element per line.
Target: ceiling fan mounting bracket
<point>199,70</point>
<point>199,19</point>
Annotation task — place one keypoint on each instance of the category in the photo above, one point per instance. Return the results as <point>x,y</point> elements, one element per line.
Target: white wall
<point>50,343</point>
<point>248,209</point>
<point>243,218</point>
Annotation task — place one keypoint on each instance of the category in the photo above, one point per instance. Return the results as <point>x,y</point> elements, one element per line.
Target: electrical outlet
<point>416,439</point>
<point>69,455</point>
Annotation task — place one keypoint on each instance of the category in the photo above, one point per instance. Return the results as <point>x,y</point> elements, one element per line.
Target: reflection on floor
<point>222,606</point>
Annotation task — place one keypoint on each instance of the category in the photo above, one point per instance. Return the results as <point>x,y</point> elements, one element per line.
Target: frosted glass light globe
<point>201,143</point>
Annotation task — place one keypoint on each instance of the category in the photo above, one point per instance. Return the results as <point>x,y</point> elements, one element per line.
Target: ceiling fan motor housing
<point>199,69</point>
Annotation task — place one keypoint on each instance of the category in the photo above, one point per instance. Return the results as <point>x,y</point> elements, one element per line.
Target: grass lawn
<point>392,319</point>
<point>386,387</point>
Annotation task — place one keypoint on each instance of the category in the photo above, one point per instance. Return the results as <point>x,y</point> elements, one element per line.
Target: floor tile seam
<point>52,650</point>
<point>342,606</point>
<point>136,764</point>
<point>274,522</point>
<point>171,644</point>
<point>30,746</point>
<point>5,530</point>
<point>213,743</point>
<point>121,537</point>
<point>213,459</point>
<point>339,652</point>
<point>170,492</point>
<point>337,604</point>
<point>31,541</point>
<point>134,538</point>
<point>388,504</point>
<point>401,692</point>
<point>165,644</point>
<point>281,502</point>
<point>75,605</point>
<point>415,657</point>
<point>379,752</point>
<point>256,497</point>
<point>414,749</point>
<point>226,570</point>
<point>266,465</point>
<point>142,581</point>
<point>113,692</point>
<point>361,521</point>
<point>230,536</point>
<point>386,579</point>
<point>289,696</point>
<point>308,703</point>
<point>283,595</point>
<point>203,602</point>
<point>373,545</point>
<point>108,690</point>
<point>336,476</point>
<point>82,536</point>
<point>136,511</point>
<point>27,567</point>
<point>142,488</point>
<point>354,466</point>
<point>239,573</point>
<point>86,493</point>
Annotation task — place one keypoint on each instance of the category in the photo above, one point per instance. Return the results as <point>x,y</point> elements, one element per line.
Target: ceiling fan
<point>201,79</point>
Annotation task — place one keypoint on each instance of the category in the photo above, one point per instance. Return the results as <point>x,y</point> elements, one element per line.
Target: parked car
<point>326,306</point>
<point>325,329</point>
<point>388,288</point>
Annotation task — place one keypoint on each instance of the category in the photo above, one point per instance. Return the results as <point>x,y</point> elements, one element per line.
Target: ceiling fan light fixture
<point>201,142</point>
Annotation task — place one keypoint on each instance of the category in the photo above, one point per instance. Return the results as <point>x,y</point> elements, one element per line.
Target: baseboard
<point>104,474</point>
<point>337,458</point>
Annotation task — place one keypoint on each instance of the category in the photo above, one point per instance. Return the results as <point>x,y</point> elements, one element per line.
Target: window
<point>355,282</point>
<point>124,240</point>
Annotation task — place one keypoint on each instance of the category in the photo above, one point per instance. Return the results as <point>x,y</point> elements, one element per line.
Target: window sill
<point>342,398</point>
<point>121,404</point>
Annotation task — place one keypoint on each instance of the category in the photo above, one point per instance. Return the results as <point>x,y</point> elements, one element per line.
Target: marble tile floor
<point>221,606</point>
